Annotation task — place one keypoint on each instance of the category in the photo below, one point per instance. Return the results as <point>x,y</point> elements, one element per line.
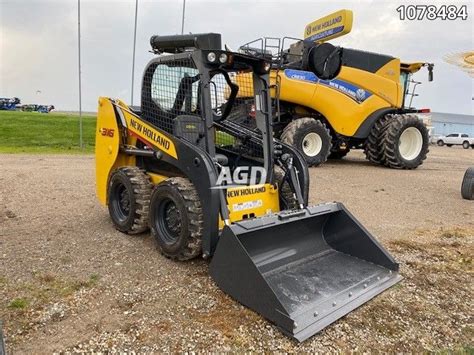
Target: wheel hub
<point>168,221</point>
<point>410,143</point>
<point>173,219</point>
<point>121,202</point>
<point>124,201</point>
<point>312,144</point>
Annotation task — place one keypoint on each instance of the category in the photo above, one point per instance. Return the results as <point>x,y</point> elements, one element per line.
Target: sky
<point>39,43</point>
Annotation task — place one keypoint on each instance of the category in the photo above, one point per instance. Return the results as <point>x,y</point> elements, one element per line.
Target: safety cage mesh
<point>167,93</point>
<point>171,101</point>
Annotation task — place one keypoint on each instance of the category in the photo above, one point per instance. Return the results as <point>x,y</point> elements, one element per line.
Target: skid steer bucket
<point>302,270</point>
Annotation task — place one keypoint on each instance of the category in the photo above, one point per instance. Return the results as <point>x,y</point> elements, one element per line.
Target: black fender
<point>364,129</point>
<point>198,167</point>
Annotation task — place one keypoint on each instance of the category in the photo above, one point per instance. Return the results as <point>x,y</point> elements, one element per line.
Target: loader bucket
<point>302,270</point>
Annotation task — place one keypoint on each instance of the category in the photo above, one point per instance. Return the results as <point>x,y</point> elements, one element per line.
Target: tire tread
<point>142,188</point>
<point>389,142</point>
<point>467,186</point>
<point>290,131</point>
<point>192,202</point>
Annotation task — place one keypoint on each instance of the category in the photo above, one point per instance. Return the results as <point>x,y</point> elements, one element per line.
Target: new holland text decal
<point>354,92</point>
<point>245,191</point>
<point>152,136</point>
<point>333,25</point>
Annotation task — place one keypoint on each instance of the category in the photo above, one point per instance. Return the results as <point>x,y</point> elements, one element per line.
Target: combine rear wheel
<point>405,142</point>
<point>311,137</point>
<point>176,219</point>
<point>128,199</point>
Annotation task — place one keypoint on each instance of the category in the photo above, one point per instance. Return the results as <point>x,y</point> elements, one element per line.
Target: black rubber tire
<point>295,132</point>
<point>339,154</point>
<point>440,143</point>
<point>133,184</point>
<point>467,187</point>
<point>390,142</point>
<point>465,145</point>
<point>187,242</point>
<point>287,198</point>
<point>373,145</point>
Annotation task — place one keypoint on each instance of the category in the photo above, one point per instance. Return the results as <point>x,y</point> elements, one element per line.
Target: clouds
<point>38,47</point>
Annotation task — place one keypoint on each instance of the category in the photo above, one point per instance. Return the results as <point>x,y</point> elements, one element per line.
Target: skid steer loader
<point>368,105</point>
<point>166,166</point>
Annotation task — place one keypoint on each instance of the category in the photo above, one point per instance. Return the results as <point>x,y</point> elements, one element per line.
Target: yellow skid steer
<point>207,186</point>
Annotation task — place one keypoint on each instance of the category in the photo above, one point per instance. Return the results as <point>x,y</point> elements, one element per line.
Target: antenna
<point>182,20</point>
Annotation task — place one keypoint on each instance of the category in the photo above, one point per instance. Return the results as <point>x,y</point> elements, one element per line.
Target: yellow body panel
<point>107,143</point>
<point>106,147</point>
<point>251,201</point>
<point>411,67</point>
<point>157,178</point>
<point>344,113</point>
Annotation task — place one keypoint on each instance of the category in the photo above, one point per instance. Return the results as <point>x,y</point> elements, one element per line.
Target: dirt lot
<point>70,282</point>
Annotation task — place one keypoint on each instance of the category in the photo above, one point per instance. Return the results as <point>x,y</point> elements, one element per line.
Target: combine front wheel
<point>373,146</point>
<point>405,142</point>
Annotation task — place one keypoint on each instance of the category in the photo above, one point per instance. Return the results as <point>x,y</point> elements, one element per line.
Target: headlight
<point>223,58</point>
<point>211,56</point>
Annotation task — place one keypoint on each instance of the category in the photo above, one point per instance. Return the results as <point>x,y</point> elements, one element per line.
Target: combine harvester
<point>9,104</point>
<point>159,166</point>
<point>367,106</point>
<point>37,108</point>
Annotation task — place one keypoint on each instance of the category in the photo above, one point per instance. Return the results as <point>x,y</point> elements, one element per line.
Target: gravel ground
<point>70,283</point>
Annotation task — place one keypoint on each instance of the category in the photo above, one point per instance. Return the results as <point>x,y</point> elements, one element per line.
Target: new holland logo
<point>360,94</point>
<point>354,92</point>
<point>152,135</point>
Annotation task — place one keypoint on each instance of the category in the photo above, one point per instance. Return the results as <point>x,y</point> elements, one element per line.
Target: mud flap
<point>302,270</point>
